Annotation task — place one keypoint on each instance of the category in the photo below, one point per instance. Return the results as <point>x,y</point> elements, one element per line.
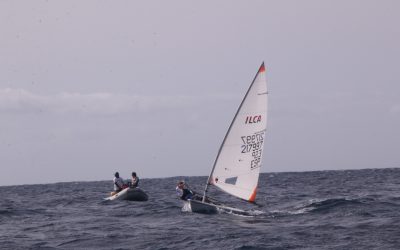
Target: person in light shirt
<point>118,183</point>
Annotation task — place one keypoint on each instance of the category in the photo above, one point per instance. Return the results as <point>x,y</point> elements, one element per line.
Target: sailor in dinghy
<point>184,192</point>
<point>134,180</point>
<point>119,184</point>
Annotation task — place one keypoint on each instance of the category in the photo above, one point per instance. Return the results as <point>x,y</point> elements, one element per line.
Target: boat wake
<point>326,205</point>
<point>246,213</point>
<point>321,206</point>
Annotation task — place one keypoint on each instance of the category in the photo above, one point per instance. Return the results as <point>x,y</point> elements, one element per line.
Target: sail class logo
<point>253,119</point>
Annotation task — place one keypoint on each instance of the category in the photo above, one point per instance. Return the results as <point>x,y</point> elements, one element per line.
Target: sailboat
<point>237,166</point>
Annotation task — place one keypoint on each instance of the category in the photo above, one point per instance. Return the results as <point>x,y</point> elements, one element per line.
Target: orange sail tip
<point>262,68</point>
<point>253,195</point>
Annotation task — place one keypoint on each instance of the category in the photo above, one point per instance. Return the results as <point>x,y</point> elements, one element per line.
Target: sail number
<point>253,144</point>
<point>249,147</point>
<point>252,139</point>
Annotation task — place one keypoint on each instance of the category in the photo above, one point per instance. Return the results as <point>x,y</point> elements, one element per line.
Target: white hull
<point>132,194</point>
<point>210,208</point>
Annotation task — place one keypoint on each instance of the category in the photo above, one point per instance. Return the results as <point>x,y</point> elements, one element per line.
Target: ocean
<point>349,209</point>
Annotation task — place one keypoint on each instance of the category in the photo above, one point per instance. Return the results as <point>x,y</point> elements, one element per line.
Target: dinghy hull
<point>210,208</point>
<point>131,194</point>
<point>202,207</point>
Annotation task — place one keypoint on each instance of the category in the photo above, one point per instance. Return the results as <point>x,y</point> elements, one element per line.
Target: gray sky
<point>91,87</point>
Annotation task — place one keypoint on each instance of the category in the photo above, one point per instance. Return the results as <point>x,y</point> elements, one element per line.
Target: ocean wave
<point>324,205</point>
<point>329,214</point>
<point>7,212</point>
<point>321,206</point>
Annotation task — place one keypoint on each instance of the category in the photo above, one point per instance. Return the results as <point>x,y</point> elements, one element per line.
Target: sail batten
<point>240,154</point>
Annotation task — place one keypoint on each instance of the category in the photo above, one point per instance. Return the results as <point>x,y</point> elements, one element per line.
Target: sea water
<point>355,209</point>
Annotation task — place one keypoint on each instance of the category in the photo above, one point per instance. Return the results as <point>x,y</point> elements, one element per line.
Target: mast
<point>227,133</point>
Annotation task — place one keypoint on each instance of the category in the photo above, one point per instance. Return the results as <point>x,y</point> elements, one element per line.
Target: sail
<point>237,166</point>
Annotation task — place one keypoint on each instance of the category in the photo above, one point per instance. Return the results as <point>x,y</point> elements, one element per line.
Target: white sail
<point>237,166</point>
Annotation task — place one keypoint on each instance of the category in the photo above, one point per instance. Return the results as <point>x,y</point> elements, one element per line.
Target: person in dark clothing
<point>134,180</point>
<point>183,191</point>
